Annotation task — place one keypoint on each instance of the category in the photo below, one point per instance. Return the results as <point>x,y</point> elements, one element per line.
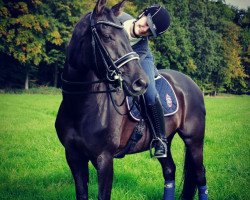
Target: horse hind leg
<point>168,169</point>
<point>194,170</point>
<point>79,168</point>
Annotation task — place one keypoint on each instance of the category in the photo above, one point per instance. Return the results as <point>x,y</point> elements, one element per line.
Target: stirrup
<point>153,142</point>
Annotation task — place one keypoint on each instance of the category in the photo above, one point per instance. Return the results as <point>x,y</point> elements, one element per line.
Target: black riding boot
<point>157,117</point>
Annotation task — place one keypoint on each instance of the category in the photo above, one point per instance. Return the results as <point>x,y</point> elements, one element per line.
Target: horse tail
<point>189,185</point>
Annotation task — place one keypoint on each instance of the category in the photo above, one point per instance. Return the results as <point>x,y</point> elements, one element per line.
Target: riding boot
<point>157,118</point>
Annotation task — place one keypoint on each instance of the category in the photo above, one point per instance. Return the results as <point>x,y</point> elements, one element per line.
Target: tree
<point>244,40</point>
<point>234,74</point>
<point>64,15</point>
<point>24,33</point>
<point>207,40</point>
<point>36,32</point>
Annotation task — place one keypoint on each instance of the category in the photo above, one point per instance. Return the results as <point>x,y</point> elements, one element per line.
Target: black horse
<point>101,69</point>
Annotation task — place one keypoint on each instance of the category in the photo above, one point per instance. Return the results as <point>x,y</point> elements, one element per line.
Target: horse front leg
<point>104,166</point>
<point>79,168</point>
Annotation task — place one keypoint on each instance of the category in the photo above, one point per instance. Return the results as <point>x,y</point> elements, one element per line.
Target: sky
<point>242,4</point>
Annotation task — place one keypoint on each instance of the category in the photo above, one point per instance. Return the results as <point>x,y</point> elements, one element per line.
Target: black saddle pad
<point>167,97</point>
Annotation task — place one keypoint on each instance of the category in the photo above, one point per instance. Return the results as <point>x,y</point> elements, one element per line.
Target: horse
<point>92,124</point>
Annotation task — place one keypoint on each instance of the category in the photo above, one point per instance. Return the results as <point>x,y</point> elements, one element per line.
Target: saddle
<point>170,106</point>
<point>167,96</point>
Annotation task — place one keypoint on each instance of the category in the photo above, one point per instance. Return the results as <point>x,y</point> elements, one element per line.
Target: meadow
<point>33,166</point>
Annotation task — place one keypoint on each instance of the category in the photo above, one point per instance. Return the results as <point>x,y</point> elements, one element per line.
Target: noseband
<point>112,68</point>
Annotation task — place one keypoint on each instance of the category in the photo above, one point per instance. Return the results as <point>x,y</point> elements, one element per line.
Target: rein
<point>74,83</point>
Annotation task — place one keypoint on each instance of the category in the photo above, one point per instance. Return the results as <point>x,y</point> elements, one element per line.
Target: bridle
<point>112,68</point>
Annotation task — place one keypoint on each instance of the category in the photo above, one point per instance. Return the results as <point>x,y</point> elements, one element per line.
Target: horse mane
<point>78,47</point>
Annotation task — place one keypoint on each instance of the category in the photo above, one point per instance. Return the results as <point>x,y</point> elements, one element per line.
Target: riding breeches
<point>147,63</point>
<point>151,93</point>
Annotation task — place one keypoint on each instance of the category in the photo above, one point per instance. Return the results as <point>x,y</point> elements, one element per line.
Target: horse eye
<point>104,26</point>
<point>106,35</point>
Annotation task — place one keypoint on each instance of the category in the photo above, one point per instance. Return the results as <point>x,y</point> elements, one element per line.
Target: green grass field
<point>33,166</point>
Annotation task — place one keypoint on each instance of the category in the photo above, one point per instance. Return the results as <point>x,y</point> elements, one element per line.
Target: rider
<point>152,22</point>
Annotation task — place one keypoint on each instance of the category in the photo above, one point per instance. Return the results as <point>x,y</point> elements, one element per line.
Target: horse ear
<point>100,5</point>
<point>118,8</point>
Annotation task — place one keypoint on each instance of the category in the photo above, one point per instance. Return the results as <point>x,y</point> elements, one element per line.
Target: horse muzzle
<point>138,87</point>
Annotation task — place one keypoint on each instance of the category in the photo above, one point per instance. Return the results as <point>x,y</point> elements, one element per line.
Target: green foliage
<point>244,40</point>
<point>23,32</point>
<point>36,32</point>
<point>207,40</point>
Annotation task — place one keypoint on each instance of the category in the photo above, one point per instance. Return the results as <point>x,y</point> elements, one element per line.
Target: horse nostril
<point>139,85</point>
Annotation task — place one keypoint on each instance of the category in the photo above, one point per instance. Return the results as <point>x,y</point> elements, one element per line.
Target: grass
<point>34,90</point>
<point>33,166</point>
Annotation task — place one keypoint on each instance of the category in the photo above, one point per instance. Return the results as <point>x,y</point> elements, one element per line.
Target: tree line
<point>207,40</point>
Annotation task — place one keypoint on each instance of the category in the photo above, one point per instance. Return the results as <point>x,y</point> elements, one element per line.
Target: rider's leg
<point>157,117</point>
<point>155,109</point>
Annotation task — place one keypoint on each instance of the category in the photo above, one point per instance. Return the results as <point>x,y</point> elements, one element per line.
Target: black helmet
<point>158,19</point>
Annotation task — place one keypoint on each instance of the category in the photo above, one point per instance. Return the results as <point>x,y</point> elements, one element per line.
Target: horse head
<point>105,50</point>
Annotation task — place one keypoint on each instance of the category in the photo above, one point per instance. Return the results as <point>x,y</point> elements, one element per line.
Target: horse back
<point>187,91</point>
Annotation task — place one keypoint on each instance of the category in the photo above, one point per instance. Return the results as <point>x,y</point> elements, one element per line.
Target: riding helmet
<point>158,19</point>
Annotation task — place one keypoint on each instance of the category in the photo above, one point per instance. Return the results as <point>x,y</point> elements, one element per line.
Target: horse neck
<point>81,66</point>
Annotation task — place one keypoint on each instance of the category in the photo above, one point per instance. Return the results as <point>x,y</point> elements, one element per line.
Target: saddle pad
<point>167,97</point>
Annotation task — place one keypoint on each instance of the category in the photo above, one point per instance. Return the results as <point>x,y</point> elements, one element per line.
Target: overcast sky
<point>242,4</point>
